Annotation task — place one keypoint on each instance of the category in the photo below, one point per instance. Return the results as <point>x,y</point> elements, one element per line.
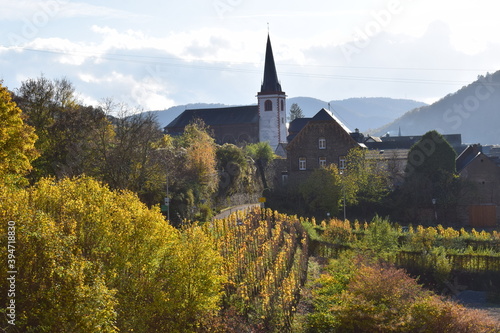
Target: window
<point>302,163</point>
<point>322,143</point>
<point>342,162</point>
<point>282,105</point>
<point>268,105</point>
<point>322,162</point>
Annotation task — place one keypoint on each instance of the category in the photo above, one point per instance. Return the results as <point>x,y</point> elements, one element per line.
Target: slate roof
<point>299,123</point>
<point>270,84</point>
<point>467,156</point>
<point>248,114</point>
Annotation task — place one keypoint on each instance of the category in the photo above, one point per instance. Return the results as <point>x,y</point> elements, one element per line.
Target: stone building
<point>316,142</point>
<point>484,175</point>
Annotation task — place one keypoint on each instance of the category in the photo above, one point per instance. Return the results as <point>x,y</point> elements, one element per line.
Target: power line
<point>177,62</point>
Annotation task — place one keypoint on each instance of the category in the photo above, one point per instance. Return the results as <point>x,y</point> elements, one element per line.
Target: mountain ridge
<point>472,111</point>
<point>357,112</point>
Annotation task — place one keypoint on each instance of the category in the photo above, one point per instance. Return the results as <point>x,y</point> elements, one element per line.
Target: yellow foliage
<point>95,260</point>
<point>17,141</point>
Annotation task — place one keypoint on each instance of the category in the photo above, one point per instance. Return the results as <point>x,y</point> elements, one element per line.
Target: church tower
<point>272,104</point>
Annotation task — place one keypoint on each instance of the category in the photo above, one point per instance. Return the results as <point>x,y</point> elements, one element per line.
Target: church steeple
<point>270,84</point>
<point>272,104</point>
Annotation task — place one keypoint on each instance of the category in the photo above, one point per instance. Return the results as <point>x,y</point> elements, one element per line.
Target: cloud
<point>35,10</point>
<point>222,65</point>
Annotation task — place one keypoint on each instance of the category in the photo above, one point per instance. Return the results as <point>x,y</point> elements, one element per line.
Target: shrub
<point>372,297</point>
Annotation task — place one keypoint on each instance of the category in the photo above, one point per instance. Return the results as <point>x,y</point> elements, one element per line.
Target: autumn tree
<point>94,260</point>
<point>17,141</point>
<point>191,166</point>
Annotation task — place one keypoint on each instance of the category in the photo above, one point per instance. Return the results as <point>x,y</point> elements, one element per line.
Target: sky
<point>157,54</point>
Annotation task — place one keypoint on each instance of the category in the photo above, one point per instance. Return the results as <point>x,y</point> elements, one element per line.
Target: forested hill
<point>473,111</point>
<point>362,113</point>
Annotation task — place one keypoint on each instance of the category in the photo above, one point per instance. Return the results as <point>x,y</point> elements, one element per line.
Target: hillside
<point>473,111</point>
<point>362,113</point>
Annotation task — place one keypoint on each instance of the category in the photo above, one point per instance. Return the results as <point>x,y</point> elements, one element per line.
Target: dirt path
<point>225,213</point>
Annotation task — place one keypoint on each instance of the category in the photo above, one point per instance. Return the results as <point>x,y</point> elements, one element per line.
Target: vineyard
<point>265,257</point>
<point>422,251</point>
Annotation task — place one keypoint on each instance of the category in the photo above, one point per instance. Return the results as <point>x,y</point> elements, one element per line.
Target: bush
<point>360,296</point>
<point>95,260</point>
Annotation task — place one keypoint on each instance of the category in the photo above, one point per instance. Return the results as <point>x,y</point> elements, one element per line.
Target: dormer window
<point>268,105</point>
<point>322,143</point>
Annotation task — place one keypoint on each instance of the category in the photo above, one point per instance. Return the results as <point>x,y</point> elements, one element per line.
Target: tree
<point>431,156</point>
<point>191,165</point>
<point>322,191</point>
<point>17,141</point>
<point>365,181</point>
<point>295,112</point>
<point>430,177</point>
<point>235,170</point>
<point>90,259</point>
<point>262,154</point>
<point>45,103</point>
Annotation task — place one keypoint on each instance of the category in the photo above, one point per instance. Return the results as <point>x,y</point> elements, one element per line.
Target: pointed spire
<point>270,82</point>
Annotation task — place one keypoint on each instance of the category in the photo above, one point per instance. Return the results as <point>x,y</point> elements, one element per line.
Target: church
<point>265,121</point>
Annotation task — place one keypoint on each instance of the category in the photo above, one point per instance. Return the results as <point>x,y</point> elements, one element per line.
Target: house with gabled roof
<point>481,210</point>
<point>316,142</point>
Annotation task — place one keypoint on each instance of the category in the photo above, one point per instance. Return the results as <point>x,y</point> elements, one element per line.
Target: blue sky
<point>157,54</point>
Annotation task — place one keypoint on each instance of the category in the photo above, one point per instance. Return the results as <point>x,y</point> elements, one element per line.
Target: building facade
<point>322,140</point>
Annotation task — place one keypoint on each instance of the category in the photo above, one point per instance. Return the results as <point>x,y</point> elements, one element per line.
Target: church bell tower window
<point>268,105</point>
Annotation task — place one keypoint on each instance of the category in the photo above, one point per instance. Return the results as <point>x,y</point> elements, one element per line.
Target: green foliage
<point>262,154</point>
<point>364,180</point>
<point>381,236</point>
<point>17,141</point>
<point>322,191</point>
<point>95,260</point>
<point>429,177</point>
<point>260,151</point>
<point>430,155</point>
<point>236,173</point>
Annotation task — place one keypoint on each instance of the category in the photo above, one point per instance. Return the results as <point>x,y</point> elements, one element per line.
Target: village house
<point>481,171</point>
<point>316,142</point>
